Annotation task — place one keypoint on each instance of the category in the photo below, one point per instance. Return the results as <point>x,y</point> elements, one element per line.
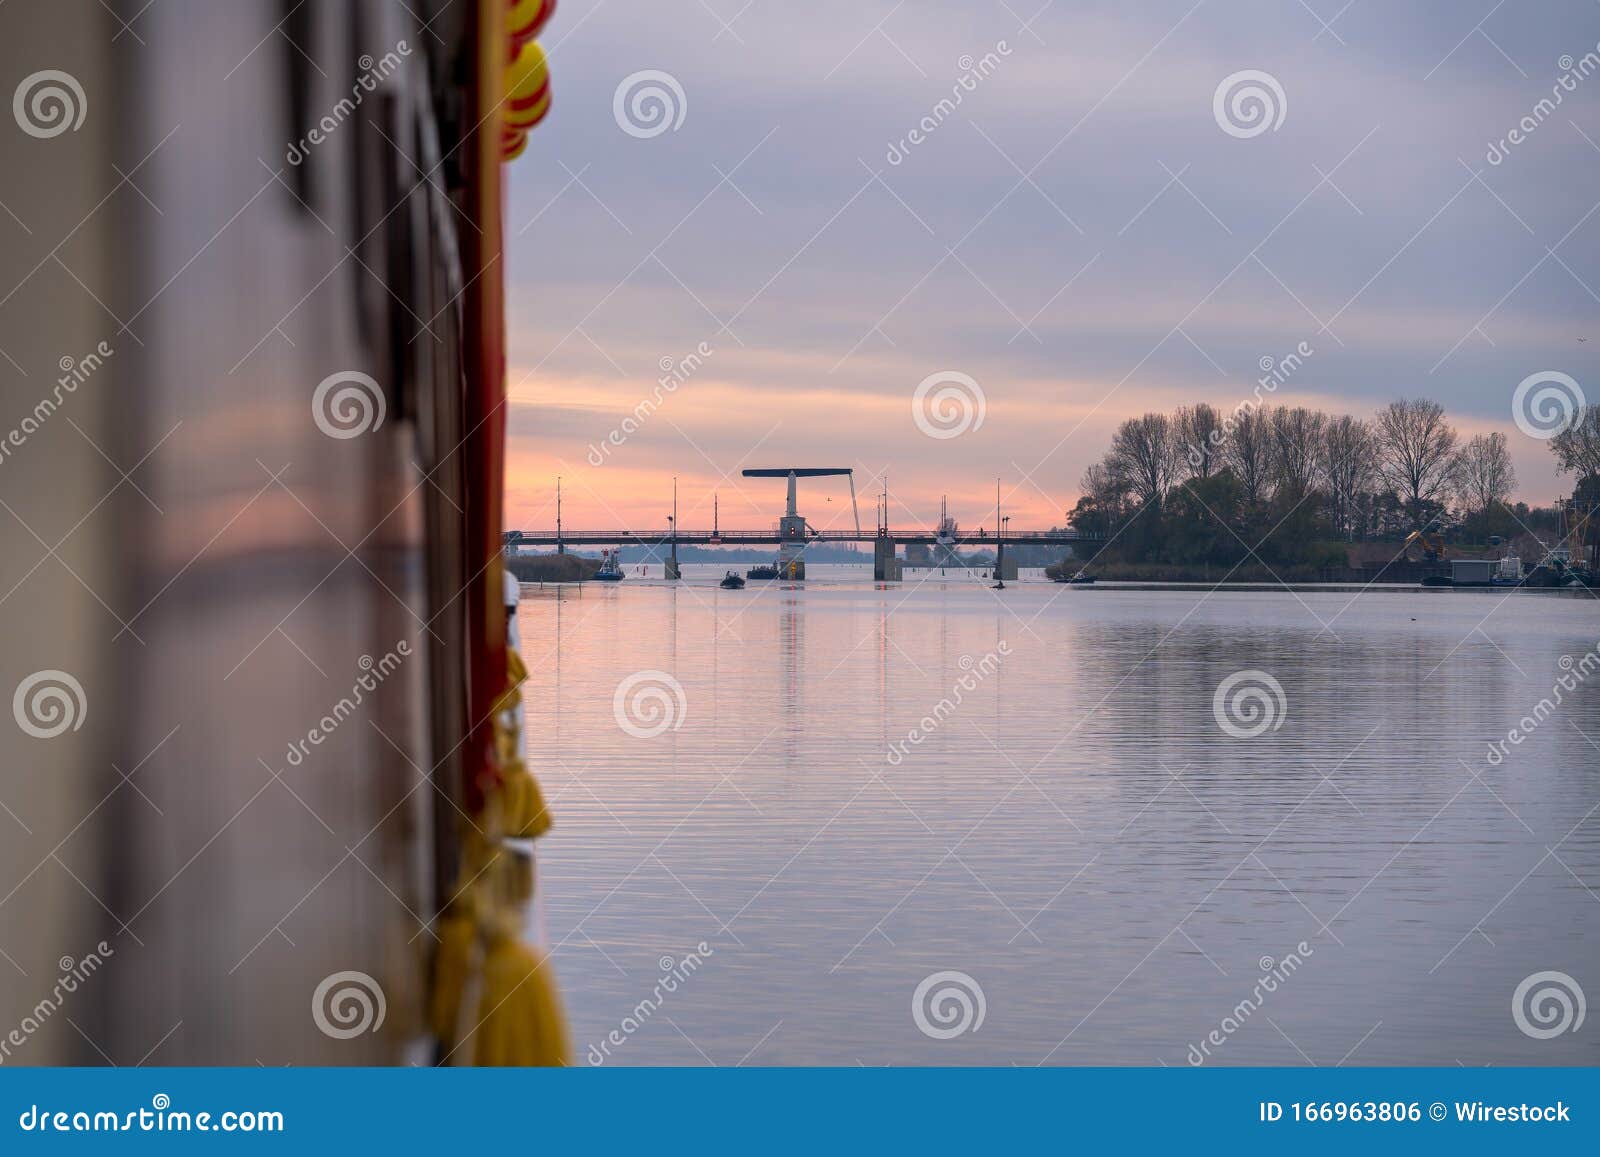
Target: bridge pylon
<point>885,563</point>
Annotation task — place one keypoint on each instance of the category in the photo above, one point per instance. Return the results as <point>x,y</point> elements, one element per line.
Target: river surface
<point>1103,872</point>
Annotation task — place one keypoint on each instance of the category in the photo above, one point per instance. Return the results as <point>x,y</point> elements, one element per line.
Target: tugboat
<point>610,568</point>
<point>732,582</point>
<point>1508,573</point>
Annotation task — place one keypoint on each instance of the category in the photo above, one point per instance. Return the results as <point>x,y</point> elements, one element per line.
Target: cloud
<point>1079,235</point>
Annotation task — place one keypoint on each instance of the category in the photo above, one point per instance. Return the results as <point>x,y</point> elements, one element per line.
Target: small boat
<point>610,569</point>
<point>762,572</point>
<point>1437,580</point>
<point>732,582</point>
<point>1081,579</point>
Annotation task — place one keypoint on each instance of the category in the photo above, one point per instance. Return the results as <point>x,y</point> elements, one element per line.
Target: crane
<point>1432,545</point>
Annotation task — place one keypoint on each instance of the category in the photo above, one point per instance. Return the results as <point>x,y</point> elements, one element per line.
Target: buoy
<point>529,117</point>
<point>527,19</point>
<point>527,87</point>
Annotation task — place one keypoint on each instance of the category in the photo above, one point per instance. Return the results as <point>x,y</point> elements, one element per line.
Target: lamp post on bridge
<point>999,540</point>
<point>672,571</point>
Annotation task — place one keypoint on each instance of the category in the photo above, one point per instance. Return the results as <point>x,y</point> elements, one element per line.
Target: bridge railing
<point>665,536</point>
<point>611,534</point>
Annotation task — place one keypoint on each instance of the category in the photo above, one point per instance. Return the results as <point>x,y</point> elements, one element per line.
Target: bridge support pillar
<point>885,566</point>
<point>1006,568</point>
<point>671,567</point>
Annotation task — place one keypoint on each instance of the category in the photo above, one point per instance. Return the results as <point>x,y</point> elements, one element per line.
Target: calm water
<point>1078,835</point>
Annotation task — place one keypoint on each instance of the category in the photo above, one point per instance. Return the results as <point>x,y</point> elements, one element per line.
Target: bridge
<point>793,533</point>
<point>984,537</point>
<point>886,566</point>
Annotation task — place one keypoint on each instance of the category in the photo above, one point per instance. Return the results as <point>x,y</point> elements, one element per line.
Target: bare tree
<point>1416,450</point>
<point>1296,442</point>
<point>1199,432</point>
<point>1248,451</point>
<point>1144,454</point>
<point>1483,475</point>
<point>1104,488</point>
<point>1346,468</point>
<point>1577,446</point>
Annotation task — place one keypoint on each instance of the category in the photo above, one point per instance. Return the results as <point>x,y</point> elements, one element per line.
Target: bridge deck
<point>772,538</point>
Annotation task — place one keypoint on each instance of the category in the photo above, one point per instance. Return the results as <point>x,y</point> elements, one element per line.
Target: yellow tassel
<point>519,1018</point>
<point>516,676</point>
<point>507,700</point>
<point>513,794</point>
<point>526,816</point>
<point>452,962</point>
<point>535,815</point>
<point>518,882</point>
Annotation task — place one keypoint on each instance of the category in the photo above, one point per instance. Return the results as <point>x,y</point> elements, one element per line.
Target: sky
<point>1085,236</point>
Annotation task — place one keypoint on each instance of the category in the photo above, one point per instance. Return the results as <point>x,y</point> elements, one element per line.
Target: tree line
<point>1200,485</point>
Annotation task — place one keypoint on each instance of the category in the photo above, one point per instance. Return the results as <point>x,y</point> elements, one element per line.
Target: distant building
<point>1472,572</point>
